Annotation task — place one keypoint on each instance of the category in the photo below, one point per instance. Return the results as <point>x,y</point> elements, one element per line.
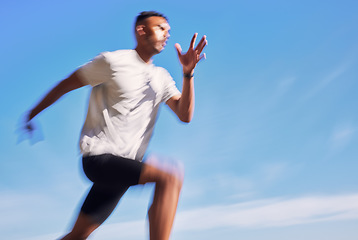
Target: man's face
<point>157,33</point>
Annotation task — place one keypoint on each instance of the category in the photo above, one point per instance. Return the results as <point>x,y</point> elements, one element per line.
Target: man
<point>127,91</point>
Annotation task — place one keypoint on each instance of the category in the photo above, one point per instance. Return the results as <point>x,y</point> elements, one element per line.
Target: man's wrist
<point>188,75</point>
<point>30,115</point>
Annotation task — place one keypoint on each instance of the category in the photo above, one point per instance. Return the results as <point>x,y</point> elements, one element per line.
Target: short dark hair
<point>147,14</point>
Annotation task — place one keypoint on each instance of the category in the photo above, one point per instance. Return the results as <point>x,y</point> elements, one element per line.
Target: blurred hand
<point>28,130</point>
<point>193,55</point>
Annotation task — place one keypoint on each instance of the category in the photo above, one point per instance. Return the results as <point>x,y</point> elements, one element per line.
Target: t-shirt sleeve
<point>96,71</point>
<point>170,88</point>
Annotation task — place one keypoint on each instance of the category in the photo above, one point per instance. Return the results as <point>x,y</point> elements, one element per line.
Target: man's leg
<point>103,196</point>
<point>107,170</point>
<point>98,205</point>
<point>167,190</point>
<point>83,227</point>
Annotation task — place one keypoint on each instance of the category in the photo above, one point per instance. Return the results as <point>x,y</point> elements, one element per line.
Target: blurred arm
<point>69,84</point>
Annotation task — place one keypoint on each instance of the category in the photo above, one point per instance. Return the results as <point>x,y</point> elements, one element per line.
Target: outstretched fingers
<point>192,43</point>
<point>202,56</point>
<point>178,48</point>
<point>203,42</point>
<point>194,54</point>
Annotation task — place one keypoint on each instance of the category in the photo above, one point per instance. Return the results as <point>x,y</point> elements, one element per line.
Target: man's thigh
<point>111,171</point>
<point>100,202</point>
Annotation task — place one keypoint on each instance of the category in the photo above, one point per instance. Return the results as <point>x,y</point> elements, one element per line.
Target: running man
<point>127,89</point>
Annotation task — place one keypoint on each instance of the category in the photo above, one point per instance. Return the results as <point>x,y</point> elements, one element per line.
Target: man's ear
<point>140,30</point>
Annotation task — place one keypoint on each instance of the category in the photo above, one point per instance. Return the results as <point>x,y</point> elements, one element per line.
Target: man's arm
<point>183,105</point>
<point>71,83</point>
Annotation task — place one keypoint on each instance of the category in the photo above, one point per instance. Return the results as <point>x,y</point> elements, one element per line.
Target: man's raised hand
<point>193,55</point>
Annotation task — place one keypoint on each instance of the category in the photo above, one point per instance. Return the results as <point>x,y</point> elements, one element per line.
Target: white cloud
<point>132,230</point>
<point>270,212</point>
<point>44,237</point>
<point>127,230</point>
<point>234,186</point>
<point>254,214</point>
<point>276,212</point>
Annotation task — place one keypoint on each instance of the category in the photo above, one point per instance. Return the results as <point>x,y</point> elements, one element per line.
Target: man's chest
<point>133,79</point>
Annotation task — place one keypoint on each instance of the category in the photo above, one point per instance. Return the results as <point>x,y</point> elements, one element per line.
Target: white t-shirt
<point>124,102</point>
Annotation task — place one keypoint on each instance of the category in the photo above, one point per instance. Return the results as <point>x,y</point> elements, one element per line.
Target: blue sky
<point>271,152</point>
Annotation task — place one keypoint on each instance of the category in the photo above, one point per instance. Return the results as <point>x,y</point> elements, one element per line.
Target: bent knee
<point>172,180</point>
<point>164,173</point>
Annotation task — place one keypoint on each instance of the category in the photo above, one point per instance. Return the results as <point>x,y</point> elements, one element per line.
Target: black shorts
<point>111,176</point>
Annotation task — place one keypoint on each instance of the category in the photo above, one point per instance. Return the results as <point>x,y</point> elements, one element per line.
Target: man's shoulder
<point>162,70</point>
<point>115,55</point>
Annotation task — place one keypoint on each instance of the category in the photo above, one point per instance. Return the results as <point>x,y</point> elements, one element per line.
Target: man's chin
<point>160,48</point>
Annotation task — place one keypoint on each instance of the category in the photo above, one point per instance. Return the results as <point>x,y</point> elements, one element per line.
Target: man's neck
<point>144,55</point>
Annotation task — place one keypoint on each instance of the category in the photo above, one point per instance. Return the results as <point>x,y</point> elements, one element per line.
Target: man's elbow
<point>185,114</point>
<point>186,118</point>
